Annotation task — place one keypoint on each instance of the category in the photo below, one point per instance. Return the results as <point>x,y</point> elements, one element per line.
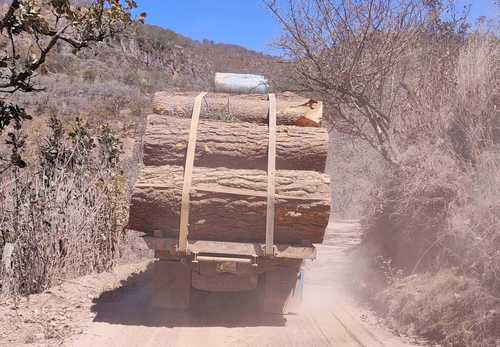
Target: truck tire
<point>171,285</point>
<point>282,290</point>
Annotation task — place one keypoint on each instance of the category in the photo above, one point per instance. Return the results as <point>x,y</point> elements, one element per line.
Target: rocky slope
<point>122,72</point>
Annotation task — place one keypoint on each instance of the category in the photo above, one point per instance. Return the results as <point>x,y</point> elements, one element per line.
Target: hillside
<point>122,72</point>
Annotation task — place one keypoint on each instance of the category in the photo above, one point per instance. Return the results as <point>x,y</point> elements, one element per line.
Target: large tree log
<point>230,205</point>
<point>291,108</point>
<point>233,145</point>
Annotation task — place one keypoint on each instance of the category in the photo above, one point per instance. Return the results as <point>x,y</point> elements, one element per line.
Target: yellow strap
<point>188,175</point>
<point>271,174</point>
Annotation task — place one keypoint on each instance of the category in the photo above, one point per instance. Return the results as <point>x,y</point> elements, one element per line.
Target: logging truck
<point>232,193</point>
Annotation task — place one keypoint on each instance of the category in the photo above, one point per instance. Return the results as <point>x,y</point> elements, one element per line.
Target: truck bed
<point>168,245</point>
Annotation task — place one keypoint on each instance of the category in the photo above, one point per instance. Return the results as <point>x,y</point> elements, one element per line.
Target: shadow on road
<point>130,304</point>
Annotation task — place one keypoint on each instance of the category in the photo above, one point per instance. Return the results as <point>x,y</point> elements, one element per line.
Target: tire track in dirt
<point>122,315</point>
<point>328,317</point>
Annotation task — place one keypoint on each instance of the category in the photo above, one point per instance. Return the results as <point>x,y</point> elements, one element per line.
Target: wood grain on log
<point>230,205</point>
<point>291,109</point>
<point>233,145</point>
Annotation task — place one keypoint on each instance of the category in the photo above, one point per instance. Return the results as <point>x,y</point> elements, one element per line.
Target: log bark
<point>233,145</point>
<point>221,210</point>
<point>291,108</point>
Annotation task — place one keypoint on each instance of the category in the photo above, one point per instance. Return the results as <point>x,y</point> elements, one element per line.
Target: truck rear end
<point>232,194</point>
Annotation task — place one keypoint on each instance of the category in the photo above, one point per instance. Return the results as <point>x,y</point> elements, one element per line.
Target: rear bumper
<point>168,246</point>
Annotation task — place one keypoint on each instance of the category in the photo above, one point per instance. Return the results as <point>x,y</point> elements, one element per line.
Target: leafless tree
<point>346,52</point>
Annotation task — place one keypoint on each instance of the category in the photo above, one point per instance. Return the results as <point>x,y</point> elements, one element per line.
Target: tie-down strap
<point>188,176</point>
<point>271,176</point>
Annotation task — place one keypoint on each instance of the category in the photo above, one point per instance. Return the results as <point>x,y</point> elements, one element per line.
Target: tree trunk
<point>233,145</point>
<point>291,109</point>
<point>221,210</point>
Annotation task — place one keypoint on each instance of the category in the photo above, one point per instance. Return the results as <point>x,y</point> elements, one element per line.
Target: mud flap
<point>283,290</point>
<point>171,285</point>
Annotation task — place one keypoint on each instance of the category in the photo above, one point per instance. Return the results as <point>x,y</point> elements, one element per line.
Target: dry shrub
<point>355,170</point>
<point>409,211</point>
<point>64,215</point>
<point>442,173</point>
<point>98,101</point>
<point>473,111</point>
<point>451,150</point>
<point>437,215</point>
<point>473,240</point>
<point>444,306</point>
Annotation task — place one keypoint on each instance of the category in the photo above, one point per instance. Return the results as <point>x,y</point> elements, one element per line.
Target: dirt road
<point>328,317</point>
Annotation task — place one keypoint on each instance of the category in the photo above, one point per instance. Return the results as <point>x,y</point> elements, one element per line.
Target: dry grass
<point>444,306</point>
<point>355,170</point>
<point>64,215</point>
<point>436,217</point>
<point>473,238</point>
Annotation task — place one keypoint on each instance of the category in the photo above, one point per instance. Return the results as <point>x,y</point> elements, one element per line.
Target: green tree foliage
<point>30,30</point>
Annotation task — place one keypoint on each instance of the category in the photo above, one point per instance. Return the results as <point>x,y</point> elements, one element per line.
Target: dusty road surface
<point>124,317</point>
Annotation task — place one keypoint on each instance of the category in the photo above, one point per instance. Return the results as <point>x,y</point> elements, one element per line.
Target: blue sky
<point>242,22</point>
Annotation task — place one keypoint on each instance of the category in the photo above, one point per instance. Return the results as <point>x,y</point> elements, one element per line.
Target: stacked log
<point>228,199</point>
<point>291,108</point>
<point>230,205</point>
<point>241,145</point>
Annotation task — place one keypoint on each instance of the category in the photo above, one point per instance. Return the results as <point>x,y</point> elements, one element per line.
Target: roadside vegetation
<point>64,214</point>
<point>73,104</point>
<point>61,205</point>
<point>420,86</point>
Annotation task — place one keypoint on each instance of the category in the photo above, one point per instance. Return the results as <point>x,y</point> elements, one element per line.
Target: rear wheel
<point>282,290</point>
<point>171,284</point>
